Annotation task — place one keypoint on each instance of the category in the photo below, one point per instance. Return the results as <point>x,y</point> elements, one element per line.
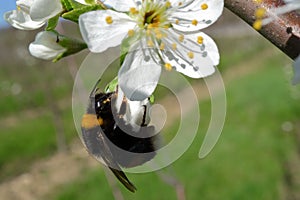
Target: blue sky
<point>7,6</point>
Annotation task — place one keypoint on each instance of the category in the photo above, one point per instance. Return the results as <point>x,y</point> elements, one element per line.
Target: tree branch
<point>283,31</point>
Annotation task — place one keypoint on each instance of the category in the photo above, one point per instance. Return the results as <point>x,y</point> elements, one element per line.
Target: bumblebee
<point>116,131</point>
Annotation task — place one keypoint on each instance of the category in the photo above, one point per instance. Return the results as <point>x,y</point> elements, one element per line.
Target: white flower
<point>32,14</point>
<point>160,33</point>
<point>45,46</point>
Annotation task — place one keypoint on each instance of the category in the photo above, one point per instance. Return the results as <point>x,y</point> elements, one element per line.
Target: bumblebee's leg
<point>144,116</point>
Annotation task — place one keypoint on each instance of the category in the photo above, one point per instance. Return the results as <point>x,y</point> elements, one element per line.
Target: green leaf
<point>74,14</point>
<point>67,5</point>
<point>151,99</point>
<point>52,23</point>
<point>112,86</point>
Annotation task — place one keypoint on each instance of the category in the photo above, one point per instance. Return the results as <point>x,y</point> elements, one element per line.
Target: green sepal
<point>67,5</point>
<point>73,15</point>
<point>152,99</point>
<point>75,4</point>
<point>52,23</point>
<point>72,46</point>
<point>112,86</point>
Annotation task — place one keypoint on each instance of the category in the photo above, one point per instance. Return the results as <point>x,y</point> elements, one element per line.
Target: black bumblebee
<point>115,131</point>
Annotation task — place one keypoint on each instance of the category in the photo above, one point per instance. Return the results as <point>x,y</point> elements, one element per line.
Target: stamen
<point>174,46</point>
<point>168,4</point>
<point>200,40</point>
<point>257,24</point>
<point>150,43</point>
<point>133,11</point>
<point>168,66</point>
<point>204,6</point>
<point>130,32</point>
<point>260,13</point>
<point>162,46</point>
<point>194,22</point>
<point>190,55</point>
<point>177,21</point>
<point>181,38</point>
<point>109,20</point>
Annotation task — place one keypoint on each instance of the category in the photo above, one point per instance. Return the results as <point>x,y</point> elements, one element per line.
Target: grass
<point>247,162</point>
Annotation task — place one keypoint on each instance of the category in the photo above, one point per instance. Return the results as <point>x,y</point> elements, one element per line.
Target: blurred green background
<point>256,157</point>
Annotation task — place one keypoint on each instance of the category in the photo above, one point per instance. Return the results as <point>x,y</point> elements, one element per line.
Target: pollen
<point>148,32</point>
<point>257,24</point>
<point>181,38</point>
<point>260,13</point>
<point>159,35</point>
<point>150,43</point>
<point>190,55</point>
<point>200,40</point>
<point>168,4</point>
<point>180,3</point>
<point>204,6</point>
<point>133,11</point>
<point>174,46</point>
<point>162,46</point>
<point>177,21</point>
<point>194,22</point>
<point>168,66</point>
<point>130,32</point>
<point>109,20</point>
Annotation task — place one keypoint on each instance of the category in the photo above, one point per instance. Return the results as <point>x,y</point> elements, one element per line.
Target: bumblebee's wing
<point>97,145</point>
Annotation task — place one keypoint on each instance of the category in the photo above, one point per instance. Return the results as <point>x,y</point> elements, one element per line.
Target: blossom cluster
<point>153,35</point>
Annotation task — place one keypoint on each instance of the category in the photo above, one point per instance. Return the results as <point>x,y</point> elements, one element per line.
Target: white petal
<point>24,5</point>
<point>296,78</point>
<point>42,10</point>
<point>21,20</point>
<point>120,5</point>
<point>205,56</point>
<point>88,2</point>
<point>134,111</point>
<point>45,46</point>
<point>139,75</point>
<point>193,11</point>
<point>99,35</point>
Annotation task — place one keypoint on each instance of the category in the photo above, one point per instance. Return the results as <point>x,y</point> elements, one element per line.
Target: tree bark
<point>283,31</point>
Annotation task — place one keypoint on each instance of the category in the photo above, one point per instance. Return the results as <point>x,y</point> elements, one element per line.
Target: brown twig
<point>283,31</point>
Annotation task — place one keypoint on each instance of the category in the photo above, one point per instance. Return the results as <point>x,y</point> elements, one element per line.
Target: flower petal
<point>191,58</point>
<point>87,2</point>
<point>45,46</point>
<point>98,34</point>
<point>20,20</point>
<point>120,5</point>
<point>194,18</point>
<point>25,5</point>
<point>139,74</point>
<point>42,10</point>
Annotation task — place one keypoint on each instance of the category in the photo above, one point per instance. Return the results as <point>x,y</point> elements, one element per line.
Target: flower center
<point>152,14</point>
